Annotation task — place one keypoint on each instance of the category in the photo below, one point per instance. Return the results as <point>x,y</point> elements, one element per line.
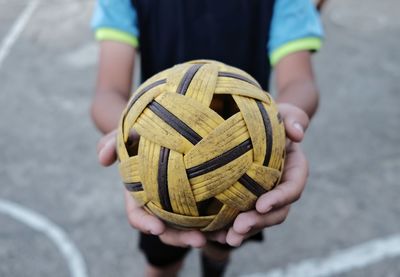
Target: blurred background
<point>61,214</point>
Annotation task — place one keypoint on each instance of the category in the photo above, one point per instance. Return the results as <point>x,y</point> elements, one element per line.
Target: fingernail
<point>298,126</point>
<point>110,142</point>
<point>265,208</point>
<point>235,243</point>
<point>101,153</point>
<point>268,209</point>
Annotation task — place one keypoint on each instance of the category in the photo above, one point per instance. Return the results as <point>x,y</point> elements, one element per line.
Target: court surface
<point>61,214</point>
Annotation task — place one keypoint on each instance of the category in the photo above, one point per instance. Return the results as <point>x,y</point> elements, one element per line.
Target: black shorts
<point>159,254</point>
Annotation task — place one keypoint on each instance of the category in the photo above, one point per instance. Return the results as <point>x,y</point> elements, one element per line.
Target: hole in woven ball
<point>132,145</point>
<point>209,206</point>
<point>224,105</point>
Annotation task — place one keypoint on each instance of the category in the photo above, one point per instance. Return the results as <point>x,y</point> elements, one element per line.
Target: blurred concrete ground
<point>48,160</point>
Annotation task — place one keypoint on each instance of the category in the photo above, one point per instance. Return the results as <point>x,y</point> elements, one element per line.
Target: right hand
<point>138,217</point>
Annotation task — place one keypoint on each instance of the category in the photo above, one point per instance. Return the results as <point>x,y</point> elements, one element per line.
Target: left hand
<point>273,207</point>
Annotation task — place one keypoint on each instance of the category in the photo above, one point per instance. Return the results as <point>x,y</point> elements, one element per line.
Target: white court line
<point>16,30</point>
<point>341,261</point>
<point>41,224</point>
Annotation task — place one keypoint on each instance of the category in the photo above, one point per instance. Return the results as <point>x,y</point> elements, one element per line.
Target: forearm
<point>106,110</point>
<point>296,83</point>
<point>114,84</point>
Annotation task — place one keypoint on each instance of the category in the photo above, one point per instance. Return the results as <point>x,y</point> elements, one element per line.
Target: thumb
<point>106,151</point>
<point>294,129</point>
<point>296,121</point>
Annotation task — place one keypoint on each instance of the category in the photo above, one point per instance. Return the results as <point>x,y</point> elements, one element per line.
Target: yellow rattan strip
<point>180,191</point>
<point>226,136</point>
<point>254,124</point>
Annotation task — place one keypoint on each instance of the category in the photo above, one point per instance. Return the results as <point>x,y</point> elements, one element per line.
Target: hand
<point>137,216</point>
<point>273,207</point>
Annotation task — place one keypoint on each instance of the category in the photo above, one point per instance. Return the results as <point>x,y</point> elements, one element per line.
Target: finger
<point>247,221</point>
<point>106,151</point>
<point>244,222</point>
<point>219,236</point>
<point>140,219</point>
<point>183,238</point>
<point>296,121</point>
<point>295,127</point>
<point>149,224</point>
<point>107,154</point>
<point>294,130</point>
<point>293,180</point>
<point>242,228</point>
<point>103,141</point>
<point>241,231</point>
<point>234,239</point>
<point>274,217</point>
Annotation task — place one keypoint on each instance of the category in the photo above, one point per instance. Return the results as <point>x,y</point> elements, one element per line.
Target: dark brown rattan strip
<point>134,186</point>
<point>252,185</point>
<point>144,90</point>
<point>268,132</point>
<point>221,160</point>
<point>175,122</point>
<point>237,76</point>
<point>279,117</point>
<point>162,179</point>
<point>187,78</point>
<point>140,94</point>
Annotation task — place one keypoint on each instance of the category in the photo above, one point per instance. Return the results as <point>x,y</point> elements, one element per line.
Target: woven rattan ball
<point>211,142</point>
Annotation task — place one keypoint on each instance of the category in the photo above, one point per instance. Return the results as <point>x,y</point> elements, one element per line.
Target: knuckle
<point>282,197</point>
<point>167,239</point>
<point>132,222</point>
<point>296,197</point>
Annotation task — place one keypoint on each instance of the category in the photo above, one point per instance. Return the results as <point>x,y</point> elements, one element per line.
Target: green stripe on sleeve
<point>116,35</point>
<point>311,43</point>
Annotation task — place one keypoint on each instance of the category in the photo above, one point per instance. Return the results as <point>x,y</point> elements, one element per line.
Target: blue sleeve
<point>295,26</point>
<point>115,19</point>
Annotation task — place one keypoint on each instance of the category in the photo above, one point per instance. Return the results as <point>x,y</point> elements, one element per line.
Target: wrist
<point>301,94</point>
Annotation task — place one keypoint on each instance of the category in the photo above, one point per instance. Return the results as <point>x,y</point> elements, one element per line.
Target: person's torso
<point>234,32</point>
